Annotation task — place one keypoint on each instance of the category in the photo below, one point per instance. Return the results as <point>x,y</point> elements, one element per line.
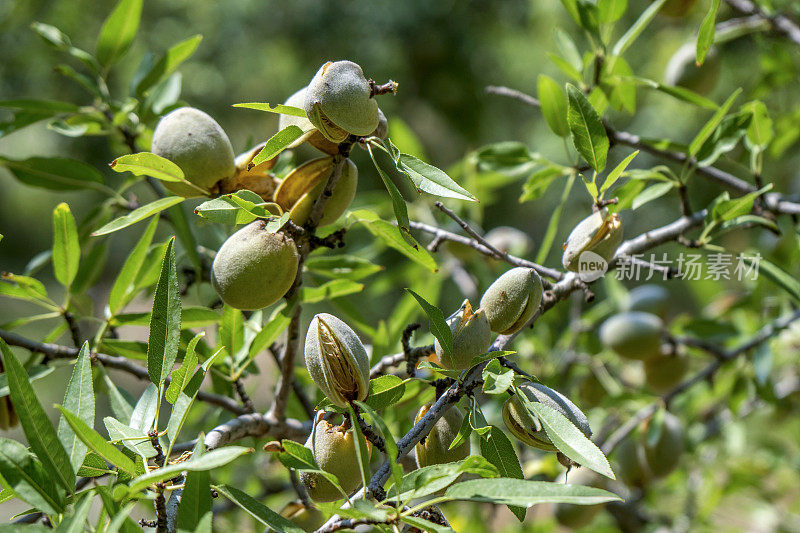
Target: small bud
<point>600,233</point>
<point>633,335</point>
<point>336,360</point>
<point>512,300</point>
<point>472,336</point>
<point>435,449</point>
<point>524,425</point>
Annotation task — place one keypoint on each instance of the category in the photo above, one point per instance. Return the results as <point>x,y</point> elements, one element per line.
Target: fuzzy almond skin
<point>512,300</point>
<point>336,360</point>
<point>338,101</point>
<point>600,233</point>
<point>254,268</point>
<point>519,423</point>
<point>682,70</point>
<point>197,143</point>
<point>633,335</point>
<point>435,450</point>
<point>664,456</point>
<point>312,135</point>
<point>472,336</point>
<point>335,453</point>
<point>343,195</point>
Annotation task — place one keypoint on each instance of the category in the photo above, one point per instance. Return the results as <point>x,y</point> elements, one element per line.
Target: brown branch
<point>779,23</point>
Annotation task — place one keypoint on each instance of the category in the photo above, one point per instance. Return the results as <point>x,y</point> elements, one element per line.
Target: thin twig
<point>780,23</point>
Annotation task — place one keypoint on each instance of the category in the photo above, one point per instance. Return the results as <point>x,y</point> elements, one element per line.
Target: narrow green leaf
<point>398,202</point>
<point>588,134</point>
<point>352,267</point>
<point>134,439</point>
<point>41,435</point>
<point>360,446</point>
<point>167,64</point>
<point>25,475</point>
<point>277,144</point>
<point>55,173</point>
<point>385,391</point>
<point>388,438</point>
<point>165,321</point>
<point>651,193</point>
<point>149,164</point>
<point>98,444</point>
<point>430,179</point>
<point>774,273</point>
<point>387,233</point>
<point>554,105</point>
<point>66,249</point>
<point>118,31</point>
<point>705,37</point>
<point>139,214</point>
<point>182,376</point>
<point>436,323</point>
<point>76,522</point>
<point>78,399</point>
<point>277,108</point>
<point>144,413</point>
<point>241,207</point>
<point>121,405</point>
<point>709,127</point>
<point>123,289</point>
<point>527,493</point>
<point>335,288</point>
<point>638,27</point>
<point>498,450</point>
<point>615,174</point>
<point>257,510</point>
<point>611,10</point>
<point>196,496</point>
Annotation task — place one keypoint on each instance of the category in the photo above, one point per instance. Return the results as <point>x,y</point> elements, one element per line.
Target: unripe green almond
<point>336,360</point>
<point>682,69</point>
<point>254,268</point>
<point>599,233</point>
<point>510,240</point>
<point>256,179</point>
<point>631,467</point>
<point>382,130</point>
<point>435,448</point>
<point>306,517</point>
<point>472,336</point>
<point>335,452</point>
<point>198,145</point>
<point>676,8</point>
<point>521,423</point>
<point>338,101</point>
<point>512,300</point>
<point>299,190</point>
<point>578,516</point>
<point>652,299</point>
<point>633,334</point>
<point>664,372</point>
<point>664,456</point>
<point>311,134</point>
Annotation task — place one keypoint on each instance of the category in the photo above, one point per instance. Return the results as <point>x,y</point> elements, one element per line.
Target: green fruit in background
<point>198,145</point>
<point>510,240</point>
<point>521,423</point>
<point>682,69</point>
<point>336,360</point>
<point>254,268</point>
<point>677,8</point>
<point>591,390</point>
<point>300,189</point>
<point>307,518</point>
<point>435,448</point>
<point>334,451</point>
<point>512,300</point>
<point>653,299</point>
<point>633,334</point>
<point>599,233</point>
<point>577,516</point>
<point>664,455</point>
<point>471,337</point>
<point>382,129</point>
<point>631,464</point>
<point>664,372</point>
<point>338,102</point>
<point>311,134</point>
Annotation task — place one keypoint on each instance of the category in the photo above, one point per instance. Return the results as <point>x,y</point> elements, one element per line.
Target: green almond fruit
<point>335,452</point>
<point>300,189</point>
<point>653,299</point>
<point>599,233</point>
<point>523,424</point>
<point>663,372</point>
<point>339,103</point>
<point>198,145</point>
<point>663,457</point>
<point>633,335</point>
<point>254,268</point>
<point>631,467</point>
<point>434,449</point>
<point>512,300</point>
<point>310,134</point>
<point>472,336</point>
<point>336,360</point>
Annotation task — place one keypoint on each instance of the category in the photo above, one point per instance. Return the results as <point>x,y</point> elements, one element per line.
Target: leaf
<point>98,444</point>
<point>611,10</point>
<point>66,249</point>
<point>277,144</point>
<point>208,461</point>
<point>360,445</point>
<point>167,64</point>
<point>705,37</point>
<point>257,510</point>
<point>165,322</point>
<point>149,164</point>
<point>118,31</point>
<point>327,291</point>
<point>123,289</point>
<point>568,439</point>
<point>144,413</point>
<point>182,376</point>
<point>277,108</point>
<point>526,493</point>
<point>760,132</point>
<point>55,173</point>
<point>651,193</point>
<point>352,267</point>
<point>498,450</point>
<point>496,378</point>
<point>75,522</point>
<point>196,496</point>
<point>134,439</point>
<point>78,399</point>
<point>191,317</point>
<point>709,127</point>
<point>121,405</point>
<point>138,214</point>
<point>431,479</point>
<point>776,274</point>
<point>436,323</point>
<point>638,27</point>
<point>398,202</point>
<point>588,133</point>
<point>732,208</point>
<point>41,435</point>
<point>430,179</point>
<point>385,391</point>
<point>241,207</point>
<point>681,93</point>
<point>29,480</point>
<point>387,233</point>
<point>554,105</point>
<point>614,175</point>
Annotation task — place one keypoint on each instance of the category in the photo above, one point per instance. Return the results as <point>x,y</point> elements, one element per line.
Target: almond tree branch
<point>779,23</point>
